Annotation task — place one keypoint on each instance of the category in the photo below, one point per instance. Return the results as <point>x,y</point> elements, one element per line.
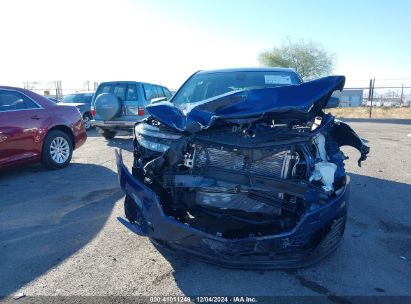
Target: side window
<point>160,92</point>
<point>148,91</point>
<point>120,91</point>
<point>89,97</point>
<point>105,89</point>
<point>131,92</point>
<point>30,104</point>
<point>167,93</point>
<point>12,101</point>
<point>155,93</point>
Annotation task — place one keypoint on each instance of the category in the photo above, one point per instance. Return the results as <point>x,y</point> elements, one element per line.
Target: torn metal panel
<point>344,135</point>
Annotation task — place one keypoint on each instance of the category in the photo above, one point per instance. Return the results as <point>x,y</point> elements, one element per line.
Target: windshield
<point>207,85</point>
<point>77,98</point>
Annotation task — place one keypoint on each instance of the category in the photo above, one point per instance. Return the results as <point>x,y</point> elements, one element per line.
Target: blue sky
<point>166,41</point>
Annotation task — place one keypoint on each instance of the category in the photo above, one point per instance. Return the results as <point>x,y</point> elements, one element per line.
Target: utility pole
<point>371,94</point>
<point>402,94</point>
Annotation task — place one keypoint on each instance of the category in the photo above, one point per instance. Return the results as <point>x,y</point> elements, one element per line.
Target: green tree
<point>310,59</point>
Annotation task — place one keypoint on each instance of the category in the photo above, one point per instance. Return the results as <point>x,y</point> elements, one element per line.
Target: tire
<point>109,134</point>
<point>87,121</point>
<point>57,150</point>
<point>107,106</point>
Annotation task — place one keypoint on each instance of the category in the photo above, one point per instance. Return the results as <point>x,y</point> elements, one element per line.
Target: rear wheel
<point>109,134</point>
<point>57,150</point>
<point>87,121</point>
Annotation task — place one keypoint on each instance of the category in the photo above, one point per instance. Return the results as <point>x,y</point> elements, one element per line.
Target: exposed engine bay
<point>236,180</point>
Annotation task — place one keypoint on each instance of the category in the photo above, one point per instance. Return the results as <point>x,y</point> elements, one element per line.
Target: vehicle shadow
<point>93,132</point>
<point>378,233</point>
<point>123,139</point>
<point>125,143</point>
<point>61,211</point>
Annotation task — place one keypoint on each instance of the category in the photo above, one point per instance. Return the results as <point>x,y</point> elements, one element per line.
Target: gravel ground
<point>59,233</point>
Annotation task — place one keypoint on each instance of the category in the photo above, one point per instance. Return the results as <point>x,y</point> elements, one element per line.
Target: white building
<point>350,97</point>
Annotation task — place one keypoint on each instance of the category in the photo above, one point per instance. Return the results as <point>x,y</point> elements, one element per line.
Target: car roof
<point>253,69</point>
<point>131,81</point>
<point>11,88</point>
<point>74,93</point>
<point>21,90</point>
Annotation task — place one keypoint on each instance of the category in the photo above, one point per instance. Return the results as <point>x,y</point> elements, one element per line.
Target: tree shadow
<point>374,255</point>
<point>46,216</point>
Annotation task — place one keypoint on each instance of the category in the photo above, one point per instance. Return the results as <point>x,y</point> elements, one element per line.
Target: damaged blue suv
<point>242,168</point>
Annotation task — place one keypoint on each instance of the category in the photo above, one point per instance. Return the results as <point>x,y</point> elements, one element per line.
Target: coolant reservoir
<point>316,123</point>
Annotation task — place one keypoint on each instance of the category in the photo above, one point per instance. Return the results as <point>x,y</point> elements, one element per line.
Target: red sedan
<point>33,128</point>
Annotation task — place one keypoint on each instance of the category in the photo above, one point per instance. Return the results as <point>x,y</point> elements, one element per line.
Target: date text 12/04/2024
<point>203,299</point>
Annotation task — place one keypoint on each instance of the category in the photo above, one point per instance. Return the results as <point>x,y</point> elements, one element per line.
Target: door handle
<point>36,117</point>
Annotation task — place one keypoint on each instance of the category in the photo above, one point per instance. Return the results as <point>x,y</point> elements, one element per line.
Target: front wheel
<point>109,134</point>
<point>57,150</point>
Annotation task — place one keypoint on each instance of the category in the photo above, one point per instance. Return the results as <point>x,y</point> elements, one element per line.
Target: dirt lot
<point>59,233</point>
<point>377,112</point>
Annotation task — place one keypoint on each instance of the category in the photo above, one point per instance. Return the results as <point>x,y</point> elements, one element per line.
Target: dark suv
<point>118,105</point>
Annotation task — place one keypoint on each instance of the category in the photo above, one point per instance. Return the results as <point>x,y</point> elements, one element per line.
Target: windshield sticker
<point>277,79</point>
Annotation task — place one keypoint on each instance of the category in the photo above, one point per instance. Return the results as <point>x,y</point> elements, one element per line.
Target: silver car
<point>82,101</point>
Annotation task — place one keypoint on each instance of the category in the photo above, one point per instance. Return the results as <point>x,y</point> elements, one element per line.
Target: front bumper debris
<point>316,235</point>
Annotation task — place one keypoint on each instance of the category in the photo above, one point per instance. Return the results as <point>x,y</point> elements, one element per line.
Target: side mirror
<point>154,100</point>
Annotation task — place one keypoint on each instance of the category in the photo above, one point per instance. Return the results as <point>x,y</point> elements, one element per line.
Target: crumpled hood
<point>299,102</point>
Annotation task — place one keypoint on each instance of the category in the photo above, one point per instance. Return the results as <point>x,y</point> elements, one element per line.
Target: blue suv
<point>242,168</point>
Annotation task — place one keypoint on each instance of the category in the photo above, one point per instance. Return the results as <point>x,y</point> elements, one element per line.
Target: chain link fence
<point>388,97</point>
<point>56,89</point>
